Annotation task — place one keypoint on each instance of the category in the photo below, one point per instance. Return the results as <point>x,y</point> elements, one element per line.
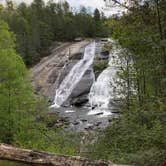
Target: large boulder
<point>80,93</point>
<point>80,100</point>
<point>84,85</point>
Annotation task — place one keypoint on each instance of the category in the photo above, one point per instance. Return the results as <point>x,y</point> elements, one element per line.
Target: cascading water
<point>74,76</point>
<point>102,90</point>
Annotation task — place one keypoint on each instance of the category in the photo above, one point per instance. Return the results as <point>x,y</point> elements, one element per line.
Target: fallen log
<point>41,158</point>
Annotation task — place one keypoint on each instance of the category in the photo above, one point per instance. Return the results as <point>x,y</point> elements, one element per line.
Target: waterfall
<point>102,90</point>
<point>74,76</point>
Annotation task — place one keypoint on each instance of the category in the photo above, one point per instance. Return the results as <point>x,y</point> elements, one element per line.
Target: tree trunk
<point>159,20</point>
<point>40,158</point>
<point>128,84</point>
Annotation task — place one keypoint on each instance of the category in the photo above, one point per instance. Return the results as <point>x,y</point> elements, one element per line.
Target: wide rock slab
<point>46,73</point>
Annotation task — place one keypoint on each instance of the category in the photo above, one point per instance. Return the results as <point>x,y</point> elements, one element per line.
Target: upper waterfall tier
<point>74,76</point>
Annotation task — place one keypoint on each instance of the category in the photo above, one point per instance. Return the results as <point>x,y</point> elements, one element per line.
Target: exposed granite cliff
<point>49,73</point>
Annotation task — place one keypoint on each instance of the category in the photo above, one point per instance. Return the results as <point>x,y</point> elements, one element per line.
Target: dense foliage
<point>138,136</point>
<point>36,26</point>
<point>29,31</point>
<point>100,65</point>
<point>20,109</point>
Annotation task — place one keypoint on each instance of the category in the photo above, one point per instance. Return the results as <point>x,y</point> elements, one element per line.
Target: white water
<point>103,89</point>
<point>74,76</point>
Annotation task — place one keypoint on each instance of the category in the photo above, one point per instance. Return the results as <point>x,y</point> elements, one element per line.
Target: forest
<point>38,25</point>
<point>138,135</point>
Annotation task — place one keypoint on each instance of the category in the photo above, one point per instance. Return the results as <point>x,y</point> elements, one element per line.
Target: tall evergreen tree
<point>97,15</point>
<point>15,91</point>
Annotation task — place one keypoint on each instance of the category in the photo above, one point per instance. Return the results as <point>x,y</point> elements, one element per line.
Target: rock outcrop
<point>50,72</point>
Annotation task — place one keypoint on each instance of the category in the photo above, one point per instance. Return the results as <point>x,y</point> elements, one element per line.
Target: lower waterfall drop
<point>74,76</point>
<point>102,90</point>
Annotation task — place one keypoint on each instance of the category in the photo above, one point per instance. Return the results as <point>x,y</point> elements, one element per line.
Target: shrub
<point>100,65</point>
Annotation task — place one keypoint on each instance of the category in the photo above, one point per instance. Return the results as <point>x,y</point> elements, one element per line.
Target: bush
<point>137,137</point>
<point>152,157</point>
<point>100,65</point>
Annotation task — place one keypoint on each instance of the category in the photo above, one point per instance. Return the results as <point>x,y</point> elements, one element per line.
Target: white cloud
<point>77,3</point>
<point>91,3</point>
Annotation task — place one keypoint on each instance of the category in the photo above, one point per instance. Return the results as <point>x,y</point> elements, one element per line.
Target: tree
<point>15,90</point>
<point>37,25</point>
<point>96,15</point>
<point>131,137</point>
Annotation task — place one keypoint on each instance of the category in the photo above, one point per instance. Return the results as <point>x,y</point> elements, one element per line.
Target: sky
<point>77,3</point>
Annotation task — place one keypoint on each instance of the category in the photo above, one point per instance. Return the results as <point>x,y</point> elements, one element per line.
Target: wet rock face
<point>68,66</point>
<point>83,87</point>
<point>46,75</point>
<point>77,56</point>
<point>80,100</point>
<point>105,54</point>
<point>79,95</point>
<point>51,71</point>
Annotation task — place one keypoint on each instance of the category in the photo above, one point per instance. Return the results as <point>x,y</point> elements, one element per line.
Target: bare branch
<point>116,2</point>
